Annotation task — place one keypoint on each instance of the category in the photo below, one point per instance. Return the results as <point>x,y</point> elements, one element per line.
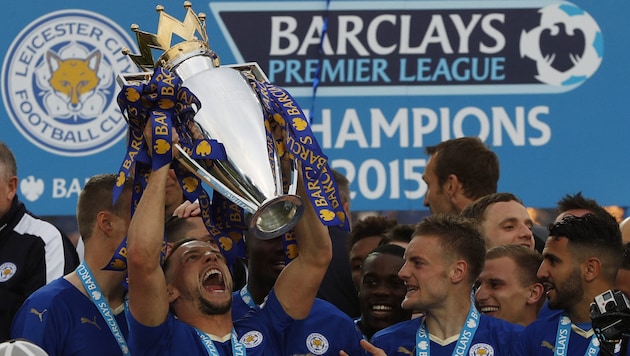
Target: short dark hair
<point>477,209</point>
<point>474,164</point>
<point>459,236</point>
<point>376,225</point>
<point>578,201</point>
<point>176,228</point>
<point>526,259</point>
<point>399,233</point>
<point>390,249</point>
<point>592,235</point>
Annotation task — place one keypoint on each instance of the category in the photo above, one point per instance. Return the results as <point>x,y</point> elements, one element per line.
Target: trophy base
<point>276,217</point>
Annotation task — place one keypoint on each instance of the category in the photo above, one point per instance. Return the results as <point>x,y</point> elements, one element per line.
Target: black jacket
<point>33,252</point>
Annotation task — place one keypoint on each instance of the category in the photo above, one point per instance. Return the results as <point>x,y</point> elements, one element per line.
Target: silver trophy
<point>230,113</point>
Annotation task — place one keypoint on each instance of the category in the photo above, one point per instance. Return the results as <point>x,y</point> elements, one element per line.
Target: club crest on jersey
<point>252,339</point>
<point>59,84</point>
<point>481,349</point>
<point>317,344</point>
<point>7,270</point>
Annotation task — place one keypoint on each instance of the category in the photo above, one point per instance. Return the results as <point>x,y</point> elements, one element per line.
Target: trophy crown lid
<point>191,29</point>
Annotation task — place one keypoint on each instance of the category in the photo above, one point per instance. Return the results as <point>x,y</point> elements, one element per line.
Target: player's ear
<point>452,184</point>
<point>104,221</point>
<point>536,291</point>
<point>592,267</point>
<point>458,273</point>
<point>13,186</point>
<point>172,292</point>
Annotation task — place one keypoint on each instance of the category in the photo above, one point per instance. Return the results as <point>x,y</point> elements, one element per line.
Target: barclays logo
<point>33,188</point>
<point>567,46</point>
<point>416,47</point>
<point>59,85</point>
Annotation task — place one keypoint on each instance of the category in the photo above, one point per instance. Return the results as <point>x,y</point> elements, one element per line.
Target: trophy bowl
<point>251,176</point>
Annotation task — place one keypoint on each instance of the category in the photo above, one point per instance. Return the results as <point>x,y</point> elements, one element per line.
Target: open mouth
<point>488,309</point>
<point>213,281</point>
<point>279,264</point>
<point>381,309</point>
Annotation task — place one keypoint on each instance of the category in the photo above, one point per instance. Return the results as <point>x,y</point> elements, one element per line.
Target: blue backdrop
<point>544,83</point>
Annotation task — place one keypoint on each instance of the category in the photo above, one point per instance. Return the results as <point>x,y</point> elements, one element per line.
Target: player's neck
<point>578,314</point>
<point>529,315</point>
<point>109,282</point>
<point>258,288</point>
<point>448,319</point>
<point>219,324</point>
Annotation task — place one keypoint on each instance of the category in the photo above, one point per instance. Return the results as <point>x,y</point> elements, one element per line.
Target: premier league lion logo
<point>567,46</point>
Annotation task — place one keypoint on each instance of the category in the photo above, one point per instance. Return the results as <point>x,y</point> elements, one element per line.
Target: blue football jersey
<point>539,338</point>
<point>325,331</point>
<point>493,336</point>
<point>259,332</point>
<point>64,321</point>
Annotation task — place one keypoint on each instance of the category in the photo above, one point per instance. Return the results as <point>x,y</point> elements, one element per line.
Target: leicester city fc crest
<point>59,85</point>
<point>481,349</point>
<point>7,270</point>
<point>317,344</point>
<point>251,339</point>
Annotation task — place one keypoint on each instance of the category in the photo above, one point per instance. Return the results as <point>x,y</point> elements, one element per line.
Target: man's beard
<point>569,292</point>
<point>209,308</point>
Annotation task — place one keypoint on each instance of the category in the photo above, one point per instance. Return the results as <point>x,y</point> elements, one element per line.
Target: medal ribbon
<point>563,334</point>
<point>95,294</point>
<point>238,349</point>
<point>423,344</point>
<point>246,296</point>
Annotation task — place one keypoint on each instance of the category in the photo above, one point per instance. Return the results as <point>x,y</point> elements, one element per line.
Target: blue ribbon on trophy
<point>162,101</point>
<point>302,145</point>
<point>222,144</point>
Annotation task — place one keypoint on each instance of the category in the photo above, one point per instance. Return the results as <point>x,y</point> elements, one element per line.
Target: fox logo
<point>73,79</point>
<point>69,83</point>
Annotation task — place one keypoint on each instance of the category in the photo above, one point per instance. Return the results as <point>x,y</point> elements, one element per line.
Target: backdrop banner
<point>543,83</point>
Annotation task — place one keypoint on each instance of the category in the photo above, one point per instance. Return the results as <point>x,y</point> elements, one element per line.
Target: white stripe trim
<point>55,259</point>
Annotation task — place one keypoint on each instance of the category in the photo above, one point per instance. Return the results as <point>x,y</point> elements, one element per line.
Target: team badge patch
<point>59,82</point>
<point>317,344</point>
<point>481,349</point>
<point>7,270</point>
<point>252,339</point>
